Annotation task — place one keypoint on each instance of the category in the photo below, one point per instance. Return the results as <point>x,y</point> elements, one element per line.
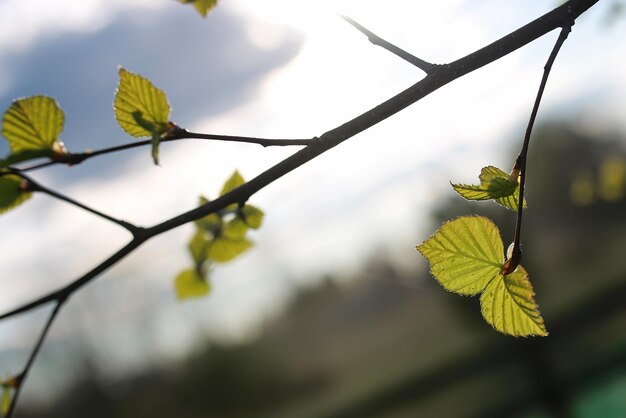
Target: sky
<point>276,69</point>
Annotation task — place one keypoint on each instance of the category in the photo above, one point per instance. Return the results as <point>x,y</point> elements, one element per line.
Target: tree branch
<point>427,67</point>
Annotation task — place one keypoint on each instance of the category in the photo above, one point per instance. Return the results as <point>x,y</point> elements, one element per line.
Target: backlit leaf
<point>232,183</point>
<point>141,109</point>
<point>11,193</point>
<point>252,216</point>
<point>32,127</point>
<point>465,254</point>
<point>494,184</point>
<point>199,247</point>
<point>6,400</point>
<point>202,6</point>
<point>189,284</point>
<point>508,304</point>
<point>32,123</point>
<point>224,249</point>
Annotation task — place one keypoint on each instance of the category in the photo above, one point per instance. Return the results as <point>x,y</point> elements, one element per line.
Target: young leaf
<point>232,183</point>
<point>11,192</point>
<point>141,109</point>
<point>252,216</point>
<point>494,184</point>
<point>508,304</point>
<point>202,6</point>
<point>199,247</point>
<point>32,126</point>
<point>189,284</point>
<point>224,249</point>
<point>6,400</point>
<point>466,256</point>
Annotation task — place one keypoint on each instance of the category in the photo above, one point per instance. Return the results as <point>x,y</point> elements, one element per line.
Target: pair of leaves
<point>466,256</point>
<point>202,6</point>
<point>219,238</point>
<point>494,184</point>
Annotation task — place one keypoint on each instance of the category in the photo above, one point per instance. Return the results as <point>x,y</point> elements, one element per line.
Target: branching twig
<point>562,16</point>
<point>176,135</point>
<point>427,67</point>
<point>33,186</point>
<point>520,164</point>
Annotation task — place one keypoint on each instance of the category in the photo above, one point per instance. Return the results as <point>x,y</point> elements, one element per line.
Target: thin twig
<point>520,164</point>
<point>176,135</point>
<point>20,379</point>
<point>34,186</point>
<point>425,66</point>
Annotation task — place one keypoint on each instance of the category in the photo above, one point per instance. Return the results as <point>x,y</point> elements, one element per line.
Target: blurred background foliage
<point>390,342</point>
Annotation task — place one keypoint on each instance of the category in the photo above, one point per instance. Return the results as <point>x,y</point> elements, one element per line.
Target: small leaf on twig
<point>32,126</point>
<point>12,192</point>
<point>494,184</point>
<point>141,109</point>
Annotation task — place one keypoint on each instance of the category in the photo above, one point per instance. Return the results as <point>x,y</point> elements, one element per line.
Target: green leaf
<point>494,184</point>
<point>202,6</point>
<point>236,228</point>
<point>32,123</point>
<point>252,216</point>
<point>11,192</point>
<point>224,249</point>
<point>189,284</point>
<point>32,126</point>
<point>141,109</point>
<point>211,223</point>
<point>508,304</point>
<point>199,247</point>
<point>6,400</point>
<point>232,183</point>
<point>466,256</point>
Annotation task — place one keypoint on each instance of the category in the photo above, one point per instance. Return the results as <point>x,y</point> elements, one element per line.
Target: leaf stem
<point>520,163</point>
<point>425,66</point>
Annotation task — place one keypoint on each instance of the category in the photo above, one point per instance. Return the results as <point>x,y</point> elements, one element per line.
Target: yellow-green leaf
<point>232,183</point>
<point>508,304</point>
<point>189,284</point>
<point>32,126</point>
<point>202,6</point>
<point>252,216</point>
<point>224,249</point>
<point>465,254</point>
<point>141,109</point>
<point>211,223</point>
<point>11,192</point>
<point>494,184</point>
<point>199,247</point>
<point>6,400</point>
